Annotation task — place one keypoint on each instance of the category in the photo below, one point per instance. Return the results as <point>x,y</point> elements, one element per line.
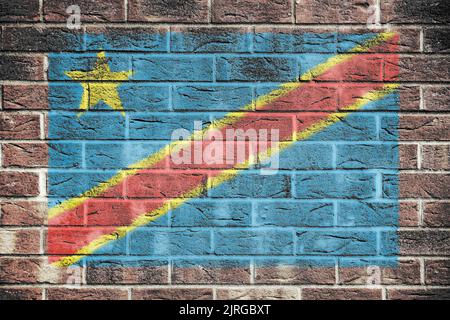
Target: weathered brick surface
<point>236,11</point>
<point>26,155</point>
<point>23,213</point>
<point>407,272</point>
<point>340,294</point>
<point>415,11</point>
<point>196,59</point>
<point>436,98</point>
<point>19,11</point>
<point>436,272</point>
<point>23,241</point>
<point>25,97</point>
<point>190,11</point>
<point>257,294</point>
<point>21,67</point>
<point>436,214</point>
<point>91,10</point>
<point>332,11</point>
<point>17,293</point>
<point>19,184</point>
<point>86,294</point>
<point>418,294</point>
<point>172,294</point>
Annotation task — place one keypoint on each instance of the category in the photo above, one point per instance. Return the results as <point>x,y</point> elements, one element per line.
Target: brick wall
<point>31,29</point>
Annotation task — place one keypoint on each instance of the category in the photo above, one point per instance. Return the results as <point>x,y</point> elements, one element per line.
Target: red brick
<point>424,128</point>
<point>205,274</point>
<point>408,214</point>
<point>16,293</point>
<point>19,184</point>
<point>257,294</point>
<point>436,98</point>
<point>117,274</point>
<point>190,11</point>
<point>172,294</point>
<point>419,68</point>
<point>340,294</point>
<point>424,185</point>
<point>25,97</point>
<point>436,157</point>
<point>333,11</point>
<point>19,270</point>
<point>19,11</point>
<point>436,40</point>
<point>295,275</point>
<point>86,294</point>
<point>409,97</point>
<point>408,156</point>
<point>23,241</point>
<point>24,213</point>
<point>19,126</point>
<point>418,294</point>
<point>21,67</point>
<point>437,272</point>
<point>424,242</point>
<point>91,10</point>
<point>406,273</point>
<point>26,155</point>
<point>414,11</point>
<point>436,214</point>
<point>38,38</point>
<point>275,11</point>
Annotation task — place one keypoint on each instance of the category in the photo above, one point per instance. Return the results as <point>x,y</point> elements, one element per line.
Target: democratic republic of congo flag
<point>116,195</point>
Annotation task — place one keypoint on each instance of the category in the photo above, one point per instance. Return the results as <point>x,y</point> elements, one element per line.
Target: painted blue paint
<point>60,63</point>
<point>210,213</point>
<point>253,185</point>
<point>295,42</point>
<point>294,214</point>
<point>127,39</point>
<point>253,242</point>
<point>211,97</point>
<point>256,68</point>
<point>367,214</point>
<point>218,40</point>
<point>170,242</point>
<point>172,67</point>
<point>342,242</point>
<point>367,156</point>
<point>348,185</point>
<point>118,155</point>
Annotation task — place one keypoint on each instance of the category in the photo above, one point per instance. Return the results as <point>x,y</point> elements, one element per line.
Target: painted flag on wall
<point>224,148</point>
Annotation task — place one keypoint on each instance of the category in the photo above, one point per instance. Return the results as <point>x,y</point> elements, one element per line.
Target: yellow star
<point>105,89</point>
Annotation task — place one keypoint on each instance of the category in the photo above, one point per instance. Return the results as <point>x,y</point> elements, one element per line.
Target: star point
<point>100,84</point>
